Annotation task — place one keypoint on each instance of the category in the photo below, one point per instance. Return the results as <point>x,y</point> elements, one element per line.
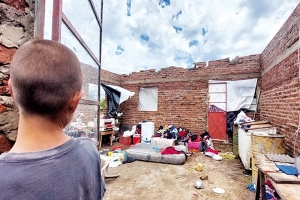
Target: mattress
<point>147,152</point>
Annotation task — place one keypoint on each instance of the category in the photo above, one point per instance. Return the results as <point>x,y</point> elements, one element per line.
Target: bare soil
<point>149,180</point>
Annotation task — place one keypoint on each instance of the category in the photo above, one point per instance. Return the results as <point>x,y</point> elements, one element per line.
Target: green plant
<point>102,103</point>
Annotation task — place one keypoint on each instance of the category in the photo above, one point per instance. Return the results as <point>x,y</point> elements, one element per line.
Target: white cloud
<point>218,29</point>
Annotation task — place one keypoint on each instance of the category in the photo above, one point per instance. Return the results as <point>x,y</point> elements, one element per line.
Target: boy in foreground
<point>45,163</point>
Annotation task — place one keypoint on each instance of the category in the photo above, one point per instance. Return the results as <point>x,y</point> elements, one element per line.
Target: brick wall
<point>280,98</point>
<point>90,74</point>
<point>182,93</point>
<point>16,28</point>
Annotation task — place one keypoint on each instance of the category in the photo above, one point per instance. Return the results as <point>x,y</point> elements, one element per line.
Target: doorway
<point>217,107</point>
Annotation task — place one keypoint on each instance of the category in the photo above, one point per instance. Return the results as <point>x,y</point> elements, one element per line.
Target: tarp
<point>240,93</point>
<point>148,98</point>
<point>115,96</point>
<point>125,94</point>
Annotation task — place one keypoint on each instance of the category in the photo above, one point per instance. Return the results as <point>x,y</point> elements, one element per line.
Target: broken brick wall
<point>280,97</point>
<point>183,93</point>
<point>87,106</point>
<point>16,28</point>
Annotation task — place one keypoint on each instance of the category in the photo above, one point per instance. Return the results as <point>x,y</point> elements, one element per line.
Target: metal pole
<point>39,19</point>
<point>56,20</point>
<point>99,79</point>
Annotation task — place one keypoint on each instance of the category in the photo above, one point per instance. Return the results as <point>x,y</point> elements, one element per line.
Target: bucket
<point>136,138</point>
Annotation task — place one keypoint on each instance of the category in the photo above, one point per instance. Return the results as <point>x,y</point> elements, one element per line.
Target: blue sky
<point>154,34</point>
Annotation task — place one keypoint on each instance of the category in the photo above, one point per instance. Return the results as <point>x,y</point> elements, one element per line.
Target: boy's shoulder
<point>73,147</point>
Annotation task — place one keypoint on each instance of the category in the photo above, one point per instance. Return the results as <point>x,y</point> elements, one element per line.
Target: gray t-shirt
<point>67,172</point>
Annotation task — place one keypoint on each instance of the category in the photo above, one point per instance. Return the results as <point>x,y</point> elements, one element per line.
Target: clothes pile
<point>166,131</point>
<point>206,147</point>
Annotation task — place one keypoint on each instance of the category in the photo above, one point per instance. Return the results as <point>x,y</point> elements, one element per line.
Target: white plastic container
<point>147,132</point>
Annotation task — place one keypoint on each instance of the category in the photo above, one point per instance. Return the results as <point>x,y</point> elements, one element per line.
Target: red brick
<point>5,81</point>
<point>4,90</point>
<point>6,54</point>
<point>3,108</point>
<point>5,144</point>
<point>18,4</point>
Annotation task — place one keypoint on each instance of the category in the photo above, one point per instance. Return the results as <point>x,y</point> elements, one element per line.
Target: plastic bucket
<point>136,138</point>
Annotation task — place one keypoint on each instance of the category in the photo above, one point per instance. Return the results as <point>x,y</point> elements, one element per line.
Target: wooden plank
<point>279,177</point>
<point>259,126</point>
<point>287,191</point>
<point>255,122</point>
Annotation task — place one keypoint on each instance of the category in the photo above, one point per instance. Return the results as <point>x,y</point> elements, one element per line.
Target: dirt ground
<point>149,180</point>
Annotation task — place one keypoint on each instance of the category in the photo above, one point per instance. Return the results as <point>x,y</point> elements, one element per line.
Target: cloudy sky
<point>154,34</point>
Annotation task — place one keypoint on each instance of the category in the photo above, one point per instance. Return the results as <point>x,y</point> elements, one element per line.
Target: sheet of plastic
<point>115,96</point>
<point>240,93</point>
<point>148,98</point>
<point>125,94</point>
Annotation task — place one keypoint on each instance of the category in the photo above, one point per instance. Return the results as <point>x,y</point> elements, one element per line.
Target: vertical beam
<point>99,77</point>
<point>56,20</point>
<point>39,19</point>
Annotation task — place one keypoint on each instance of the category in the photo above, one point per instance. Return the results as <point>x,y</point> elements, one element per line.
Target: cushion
<point>148,152</point>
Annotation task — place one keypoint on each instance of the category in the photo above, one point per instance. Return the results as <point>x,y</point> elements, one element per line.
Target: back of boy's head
<point>44,76</point>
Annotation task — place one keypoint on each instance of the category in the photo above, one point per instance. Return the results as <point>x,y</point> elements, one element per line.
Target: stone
<point>9,124</point>
<point>7,101</point>
<point>11,35</point>
<point>204,177</point>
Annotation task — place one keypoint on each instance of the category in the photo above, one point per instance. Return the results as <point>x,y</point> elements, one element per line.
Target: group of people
<point>45,163</point>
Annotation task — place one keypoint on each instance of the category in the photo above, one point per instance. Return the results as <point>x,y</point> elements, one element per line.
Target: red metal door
<point>217,111</point>
<point>217,125</point>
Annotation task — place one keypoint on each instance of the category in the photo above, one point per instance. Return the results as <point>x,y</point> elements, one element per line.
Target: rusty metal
<point>56,20</point>
<point>39,19</point>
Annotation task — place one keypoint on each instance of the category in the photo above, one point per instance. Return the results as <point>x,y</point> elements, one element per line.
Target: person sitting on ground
<point>45,163</point>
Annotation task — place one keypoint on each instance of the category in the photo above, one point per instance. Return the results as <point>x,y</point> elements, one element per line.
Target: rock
<point>204,177</point>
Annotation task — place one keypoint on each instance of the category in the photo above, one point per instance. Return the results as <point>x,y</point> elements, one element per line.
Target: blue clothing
<point>69,171</point>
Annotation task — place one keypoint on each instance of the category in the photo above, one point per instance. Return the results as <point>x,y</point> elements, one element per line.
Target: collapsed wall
<point>183,93</point>
<point>16,28</point>
<point>280,98</point>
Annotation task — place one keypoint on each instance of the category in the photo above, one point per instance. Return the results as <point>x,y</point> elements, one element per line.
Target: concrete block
<point>11,35</point>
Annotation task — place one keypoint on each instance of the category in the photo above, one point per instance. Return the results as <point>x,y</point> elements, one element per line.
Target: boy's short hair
<point>44,75</point>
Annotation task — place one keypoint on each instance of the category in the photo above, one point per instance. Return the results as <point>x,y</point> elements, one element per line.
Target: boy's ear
<point>10,89</point>
<point>75,100</point>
